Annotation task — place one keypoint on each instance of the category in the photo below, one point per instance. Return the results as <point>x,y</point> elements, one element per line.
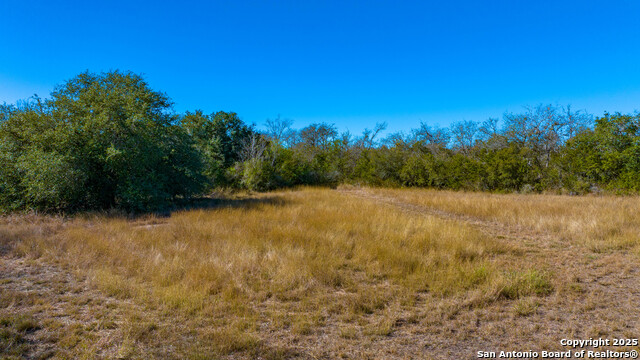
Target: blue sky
<point>351,63</point>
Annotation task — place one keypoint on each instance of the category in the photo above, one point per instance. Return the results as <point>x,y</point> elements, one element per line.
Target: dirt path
<point>597,295</point>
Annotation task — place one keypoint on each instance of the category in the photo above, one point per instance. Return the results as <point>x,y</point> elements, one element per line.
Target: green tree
<point>608,155</point>
<point>101,140</point>
<point>219,138</point>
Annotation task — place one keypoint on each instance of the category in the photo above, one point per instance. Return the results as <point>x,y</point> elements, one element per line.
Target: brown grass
<point>601,223</point>
<point>303,273</point>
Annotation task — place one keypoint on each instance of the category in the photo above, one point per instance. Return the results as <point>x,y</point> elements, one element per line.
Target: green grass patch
<point>519,284</point>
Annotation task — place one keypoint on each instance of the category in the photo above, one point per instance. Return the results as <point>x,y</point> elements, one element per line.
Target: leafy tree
<point>101,140</point>
<point>219,138</point>
<point>607,155</point>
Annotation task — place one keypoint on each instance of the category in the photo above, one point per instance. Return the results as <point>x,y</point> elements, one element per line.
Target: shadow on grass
<point>199,203</point>
<point>215,201</point>
<point>204,203</point>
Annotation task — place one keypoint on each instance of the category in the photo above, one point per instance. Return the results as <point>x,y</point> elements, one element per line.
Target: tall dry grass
<point>601,223</point>
<point>292,260</point>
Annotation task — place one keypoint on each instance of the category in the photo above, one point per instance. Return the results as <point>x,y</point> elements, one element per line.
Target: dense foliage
<point>109,141</point>
<point>100,141</point>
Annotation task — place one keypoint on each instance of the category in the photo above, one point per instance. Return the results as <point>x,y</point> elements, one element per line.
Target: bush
<point>257,176</point>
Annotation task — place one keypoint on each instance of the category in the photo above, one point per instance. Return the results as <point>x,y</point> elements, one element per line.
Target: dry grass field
<point>601,223</point>
<point>317,273</point>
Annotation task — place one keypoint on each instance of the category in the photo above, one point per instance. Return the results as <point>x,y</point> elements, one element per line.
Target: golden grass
<point>296,261</point>
<point>601,223</point>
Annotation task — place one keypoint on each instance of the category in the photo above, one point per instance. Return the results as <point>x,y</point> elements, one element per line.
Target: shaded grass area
<point>236,273</point>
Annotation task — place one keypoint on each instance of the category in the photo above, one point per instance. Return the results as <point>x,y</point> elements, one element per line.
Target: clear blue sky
<point>351,63</point>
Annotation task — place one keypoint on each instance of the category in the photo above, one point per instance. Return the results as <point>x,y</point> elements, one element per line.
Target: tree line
<point>108,140</point>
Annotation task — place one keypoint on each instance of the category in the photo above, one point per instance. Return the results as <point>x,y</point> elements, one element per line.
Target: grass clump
<point>526,283</point>
<point>526,307</point>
